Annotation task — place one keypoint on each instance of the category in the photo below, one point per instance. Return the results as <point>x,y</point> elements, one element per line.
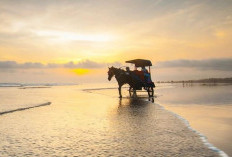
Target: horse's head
<point>111,73</point>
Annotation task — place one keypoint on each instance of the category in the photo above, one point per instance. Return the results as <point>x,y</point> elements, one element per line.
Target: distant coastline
<point>203,81</point>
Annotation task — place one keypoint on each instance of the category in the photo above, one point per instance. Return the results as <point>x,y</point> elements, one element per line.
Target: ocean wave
<point>25,108</point>
<point>35,87</point>
<point>10,85</point>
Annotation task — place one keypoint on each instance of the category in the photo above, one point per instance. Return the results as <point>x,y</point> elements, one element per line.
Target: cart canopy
<point>140,62</point>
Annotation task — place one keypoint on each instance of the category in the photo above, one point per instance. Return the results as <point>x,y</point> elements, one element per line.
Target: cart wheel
<point>131,91</point>
<point>150,91</point>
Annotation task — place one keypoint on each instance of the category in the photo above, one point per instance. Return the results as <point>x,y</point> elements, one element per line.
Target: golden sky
<point>102,32</point>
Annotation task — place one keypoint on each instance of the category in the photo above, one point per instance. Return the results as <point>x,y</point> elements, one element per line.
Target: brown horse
<point>122,78</point>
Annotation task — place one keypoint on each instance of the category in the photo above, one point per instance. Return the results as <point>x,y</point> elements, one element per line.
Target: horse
<point>122,78</point>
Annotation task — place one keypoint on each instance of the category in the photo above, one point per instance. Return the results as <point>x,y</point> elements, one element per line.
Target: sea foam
<point>202,137</point>
<point>25,108</point>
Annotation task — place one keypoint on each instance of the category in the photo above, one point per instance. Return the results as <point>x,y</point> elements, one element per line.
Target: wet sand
<point>207,108</point>
<point>211,121</point>
<point>91,123</point>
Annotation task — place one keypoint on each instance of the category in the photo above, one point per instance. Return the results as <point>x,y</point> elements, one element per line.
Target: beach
<point>91,121</point>
<point>66,67</point>
<point>207,108</point>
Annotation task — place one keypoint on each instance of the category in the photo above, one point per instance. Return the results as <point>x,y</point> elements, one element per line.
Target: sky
<point>76,40</point>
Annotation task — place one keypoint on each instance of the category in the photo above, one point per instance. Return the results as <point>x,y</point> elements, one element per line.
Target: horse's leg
<point>134,93</point>
<point>130,92</point>
<point>119,90</point>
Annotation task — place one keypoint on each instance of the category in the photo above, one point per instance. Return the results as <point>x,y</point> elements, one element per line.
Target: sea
<point>54,119</point>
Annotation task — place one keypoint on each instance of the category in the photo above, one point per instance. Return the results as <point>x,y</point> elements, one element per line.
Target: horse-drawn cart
<point>137,79</point>
<point>142,78</point>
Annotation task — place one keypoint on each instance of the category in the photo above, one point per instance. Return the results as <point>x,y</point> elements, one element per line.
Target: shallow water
<point>93,123</point>
<point>13,98</point>
<point>207,108</point>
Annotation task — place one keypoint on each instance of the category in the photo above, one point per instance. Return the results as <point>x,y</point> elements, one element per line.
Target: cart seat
<point>140,74</point>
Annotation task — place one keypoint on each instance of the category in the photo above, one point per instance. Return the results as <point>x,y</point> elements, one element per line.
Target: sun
<point>80,71</point>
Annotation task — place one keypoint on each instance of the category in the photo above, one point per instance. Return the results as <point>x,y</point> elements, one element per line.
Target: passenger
<point>144,70</point>
<point>140,74</point>
<point>147,76</point>
<point>128,71</point>
<point>137,75</point>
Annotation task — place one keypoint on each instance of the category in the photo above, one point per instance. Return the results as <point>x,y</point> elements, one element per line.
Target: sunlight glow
<point>220,34</point>
<point>80,71</point>
<point>71,36</point>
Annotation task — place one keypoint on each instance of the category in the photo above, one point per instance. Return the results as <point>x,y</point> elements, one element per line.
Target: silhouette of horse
<point>122,78</point>
<point>128,77</point>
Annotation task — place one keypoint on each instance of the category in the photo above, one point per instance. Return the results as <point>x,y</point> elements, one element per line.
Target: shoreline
<point>203,138</point>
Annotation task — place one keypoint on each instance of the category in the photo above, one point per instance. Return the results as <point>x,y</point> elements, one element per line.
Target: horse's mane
<point>118,69</point>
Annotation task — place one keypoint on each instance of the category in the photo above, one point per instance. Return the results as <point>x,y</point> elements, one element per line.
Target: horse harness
<point>119,74</point>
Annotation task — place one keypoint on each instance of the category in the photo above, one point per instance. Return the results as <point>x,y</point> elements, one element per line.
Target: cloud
<point>86,64</point>
<point>15,65</point>
<point>222,64</point>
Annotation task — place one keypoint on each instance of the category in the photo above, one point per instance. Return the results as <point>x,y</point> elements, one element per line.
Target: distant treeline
<point>209,80</point>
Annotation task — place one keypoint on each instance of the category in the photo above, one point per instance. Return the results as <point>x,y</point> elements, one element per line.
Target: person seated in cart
<point>144,69</point>
<point>139,74</point>
<point>147,76</point>
<point>143,75</point>
<point>128,71</point>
